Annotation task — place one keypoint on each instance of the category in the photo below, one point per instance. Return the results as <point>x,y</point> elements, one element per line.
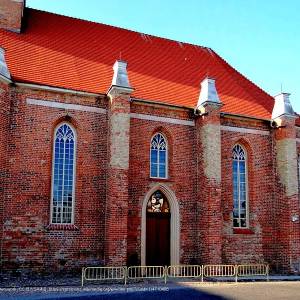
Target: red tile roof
<point>70,53</point>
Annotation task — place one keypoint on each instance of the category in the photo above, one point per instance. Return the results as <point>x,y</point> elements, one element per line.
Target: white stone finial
<point>3,66</point>
<point>120,77</point>
<point>282,106</point>
<point>208,92</point>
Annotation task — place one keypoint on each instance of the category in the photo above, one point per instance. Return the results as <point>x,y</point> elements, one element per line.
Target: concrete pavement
<point>180,290</point>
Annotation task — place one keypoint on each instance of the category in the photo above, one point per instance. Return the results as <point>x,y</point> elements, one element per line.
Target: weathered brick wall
<point>116,214</point>
<point>4,126</point>
<point>182,176</point>
<point>256,243</point>
<point>209,222</point>
<point>287,192</point>
<point>11,14</point>
<point>28,239</point>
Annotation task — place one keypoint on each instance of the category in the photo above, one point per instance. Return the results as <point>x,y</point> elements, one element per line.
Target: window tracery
<point>63,175</point>
<point>240,196</point>
<point>158,156</point>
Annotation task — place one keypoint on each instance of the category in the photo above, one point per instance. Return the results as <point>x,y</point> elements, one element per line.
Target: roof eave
<point>225,114</point>
<point>57,89</point>
<point>5,79</point>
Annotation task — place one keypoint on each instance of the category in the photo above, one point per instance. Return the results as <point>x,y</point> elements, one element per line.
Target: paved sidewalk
<point>181,290</point>
<point>69,287</point>
<point>40,281</point>
<point>75,281</point>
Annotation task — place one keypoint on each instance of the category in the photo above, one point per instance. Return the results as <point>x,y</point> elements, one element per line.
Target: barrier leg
<point>165,271</point>
<point>202,273</point>
<point>236,273</point>
<point>82,277</point>
<point>268,273</point>
<point>125,275</point>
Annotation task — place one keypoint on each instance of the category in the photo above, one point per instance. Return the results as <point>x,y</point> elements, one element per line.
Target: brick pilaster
<point>287,199</point>
<point>209,184</point>
<point>117,183</point>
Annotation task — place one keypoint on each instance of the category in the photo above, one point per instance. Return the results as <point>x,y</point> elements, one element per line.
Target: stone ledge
<point>156,179</point>
<point>64,227</point>
<point>243,231</point>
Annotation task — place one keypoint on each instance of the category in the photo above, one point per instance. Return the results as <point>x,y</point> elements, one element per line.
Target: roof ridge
<point>116,27</point>
<point>227,65</point>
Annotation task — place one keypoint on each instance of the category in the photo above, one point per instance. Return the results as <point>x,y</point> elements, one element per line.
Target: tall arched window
<point>158,156</point>
<point>63,175</point>
<point>240,193</point>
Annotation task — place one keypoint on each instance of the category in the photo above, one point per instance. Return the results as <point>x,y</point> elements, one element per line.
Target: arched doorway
<point>174,222</point>
<point>158,218</point>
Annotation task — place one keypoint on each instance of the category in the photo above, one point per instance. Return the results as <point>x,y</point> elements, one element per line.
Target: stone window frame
<point>167,157</point>
<point>246,188</point>
<point>74,173</point>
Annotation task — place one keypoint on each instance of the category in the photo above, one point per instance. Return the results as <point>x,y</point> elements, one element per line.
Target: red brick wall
<point>255,244</point>
<point>288,230</point>
<point>4,126</point>
<point>209,221</point>
<point>30,241</point>
<point>27,213</point>
<point>271,233</point>
<point>182,179</point>
<point>116,214</point>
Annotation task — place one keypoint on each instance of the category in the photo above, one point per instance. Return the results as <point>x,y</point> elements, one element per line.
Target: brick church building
<point>119,148</point>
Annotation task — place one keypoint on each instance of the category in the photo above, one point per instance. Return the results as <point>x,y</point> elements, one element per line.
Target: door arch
<point>174,223</point>
<point>158,230</point>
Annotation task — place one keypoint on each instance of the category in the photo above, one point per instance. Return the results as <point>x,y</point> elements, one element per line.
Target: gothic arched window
<point>63,175</point>
<point>158,156</point>
<point>240,193</point>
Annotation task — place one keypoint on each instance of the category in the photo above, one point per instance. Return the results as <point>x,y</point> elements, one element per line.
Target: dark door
<point>158,239</point>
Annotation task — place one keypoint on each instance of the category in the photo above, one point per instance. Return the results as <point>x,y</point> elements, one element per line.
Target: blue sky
<point>261,39</point>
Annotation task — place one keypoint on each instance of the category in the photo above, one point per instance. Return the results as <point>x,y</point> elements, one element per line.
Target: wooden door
<point>158,239</point>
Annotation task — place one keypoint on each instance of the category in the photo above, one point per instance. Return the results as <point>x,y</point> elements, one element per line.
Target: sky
<point>260,38</point>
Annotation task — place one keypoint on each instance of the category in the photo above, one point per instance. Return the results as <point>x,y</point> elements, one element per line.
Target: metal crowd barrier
<point>219,270</point>
<point>146,272</point>
<point>175,271</point>
<point>253,270</point>
<point>184,271</point>
<point>103,273</point>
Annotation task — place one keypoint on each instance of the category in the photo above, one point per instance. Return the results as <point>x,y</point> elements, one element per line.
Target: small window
<point>240,189</point>
<point>158,157</point>
<point>63,175</point>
